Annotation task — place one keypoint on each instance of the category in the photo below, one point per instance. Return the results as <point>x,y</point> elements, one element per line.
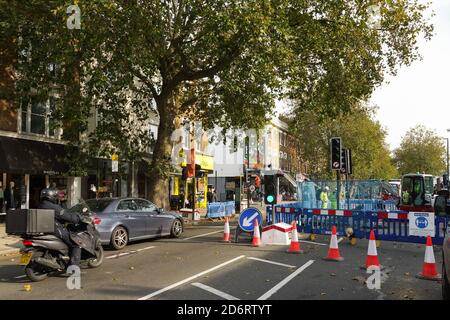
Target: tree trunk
<point>162,153</point>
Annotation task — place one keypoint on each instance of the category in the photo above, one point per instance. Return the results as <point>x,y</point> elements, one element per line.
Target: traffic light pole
<point>338,188</point>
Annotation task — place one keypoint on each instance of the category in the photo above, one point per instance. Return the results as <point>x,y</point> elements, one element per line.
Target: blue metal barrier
<point>320,221</point>
<point>387,225</point>
<point>230,208</point>
<point>394,226</point>
<point>220,209</point>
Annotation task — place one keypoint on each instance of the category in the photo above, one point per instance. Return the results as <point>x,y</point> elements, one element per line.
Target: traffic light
<point>344,161</point>
<point>336,153</point>
<point>270,189</point>
<point>349,162</point>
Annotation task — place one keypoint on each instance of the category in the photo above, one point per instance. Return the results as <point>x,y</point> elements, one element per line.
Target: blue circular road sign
<point>247,219</point>
<point>421,222</point>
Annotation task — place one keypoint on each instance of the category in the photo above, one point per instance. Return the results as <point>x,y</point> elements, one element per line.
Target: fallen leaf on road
<point>333,274</point>
<point>405,296</point>
<point>407,273</point>
<point>131,268</point>
<point>360,279</point>
<point>323,294</point>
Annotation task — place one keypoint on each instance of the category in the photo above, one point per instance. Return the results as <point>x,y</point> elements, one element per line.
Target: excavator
<point>418,194</point>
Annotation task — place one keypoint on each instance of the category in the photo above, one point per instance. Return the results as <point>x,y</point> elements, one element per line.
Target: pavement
<point>8,244</point>
<point>200,266</point>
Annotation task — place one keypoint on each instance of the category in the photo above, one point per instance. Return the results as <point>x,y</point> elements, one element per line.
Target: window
<point>127,205</point>
<point>145,206</point>
<point>35,116</point>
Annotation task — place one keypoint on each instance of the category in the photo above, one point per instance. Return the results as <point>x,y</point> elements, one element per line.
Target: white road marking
<point>318,243</point>
<point>201,235</point>
<point>272,291</point>
<point>20,277</point>
<point>214,291</point>
<point>146,248</point>
<point>272,262</point>
<point>127,253</point>
<point>189,279</point>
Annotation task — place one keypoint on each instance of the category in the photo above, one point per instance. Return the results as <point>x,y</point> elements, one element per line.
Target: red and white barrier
<point>393,215</point>
<point>277,234</point>
<point>333,212</point>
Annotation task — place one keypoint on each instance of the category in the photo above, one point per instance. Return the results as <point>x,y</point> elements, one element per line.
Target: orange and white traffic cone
<point>226,230</point>
<point>372,255</point>
<point>429,271</point>
<point>333,251</point>
<point>295,245</point>
<point>256,236</point>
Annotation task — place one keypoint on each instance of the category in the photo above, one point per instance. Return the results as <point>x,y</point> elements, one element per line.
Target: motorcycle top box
<point>30,221</point>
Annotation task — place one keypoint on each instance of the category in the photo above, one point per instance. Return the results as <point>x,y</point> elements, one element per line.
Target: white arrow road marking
<point>272,291</point>
<point>246,222</point>
<point>190,278</point>
<point>214,291</point>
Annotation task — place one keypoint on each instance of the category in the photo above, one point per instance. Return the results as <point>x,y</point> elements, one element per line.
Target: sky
<point>419,93</point>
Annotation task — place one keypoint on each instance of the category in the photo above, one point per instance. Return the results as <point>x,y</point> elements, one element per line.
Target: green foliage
<point>222,62</point>
<point>421,150</point>
<point>359,132</point>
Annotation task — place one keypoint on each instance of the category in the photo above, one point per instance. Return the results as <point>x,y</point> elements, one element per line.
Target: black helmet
<point>49,194</point>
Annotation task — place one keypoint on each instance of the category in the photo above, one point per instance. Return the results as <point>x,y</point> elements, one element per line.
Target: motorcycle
<point>44,255</point>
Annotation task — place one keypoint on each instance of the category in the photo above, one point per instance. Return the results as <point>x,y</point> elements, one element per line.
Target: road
<point>199,266</point>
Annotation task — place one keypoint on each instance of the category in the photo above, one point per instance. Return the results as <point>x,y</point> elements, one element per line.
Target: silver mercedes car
<point>122,220</point>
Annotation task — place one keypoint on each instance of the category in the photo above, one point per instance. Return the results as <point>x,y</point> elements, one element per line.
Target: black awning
<point>32,157</point>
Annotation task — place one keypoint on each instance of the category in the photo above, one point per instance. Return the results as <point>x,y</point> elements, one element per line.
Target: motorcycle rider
<point>49,200</point>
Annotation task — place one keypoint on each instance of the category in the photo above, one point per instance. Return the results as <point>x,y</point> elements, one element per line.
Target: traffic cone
<point>256,236</point>
<point>295,245</point>
<point>372,256</point>
<point>429,271</point>
<point>226,230</point>
<point>333,251</point>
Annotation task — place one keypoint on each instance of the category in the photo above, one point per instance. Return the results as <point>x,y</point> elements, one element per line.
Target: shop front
<point>184,190</point>
<point>28,166</point>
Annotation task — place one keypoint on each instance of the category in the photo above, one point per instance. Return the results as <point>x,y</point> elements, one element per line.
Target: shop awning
<point>23,156</point>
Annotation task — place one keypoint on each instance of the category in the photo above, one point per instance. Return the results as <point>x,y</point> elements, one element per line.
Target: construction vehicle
<point>418,194</point>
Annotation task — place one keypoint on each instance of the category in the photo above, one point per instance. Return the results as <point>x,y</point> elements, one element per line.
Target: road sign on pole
<point>247,219</point>
<point>115,162</point>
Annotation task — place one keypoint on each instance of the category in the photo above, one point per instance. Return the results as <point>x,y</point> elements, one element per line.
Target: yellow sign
<point>115,157</point>
<point>206,162</point>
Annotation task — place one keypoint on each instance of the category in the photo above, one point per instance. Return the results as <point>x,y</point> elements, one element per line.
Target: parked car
<point>122,220</point>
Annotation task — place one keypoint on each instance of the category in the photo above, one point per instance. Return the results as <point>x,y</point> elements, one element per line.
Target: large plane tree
<point>216,61</point>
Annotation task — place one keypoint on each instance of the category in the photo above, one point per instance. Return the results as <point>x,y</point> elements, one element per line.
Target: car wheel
<point>445,284</point>
<point>119,238</point>
<point>177,229</point>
